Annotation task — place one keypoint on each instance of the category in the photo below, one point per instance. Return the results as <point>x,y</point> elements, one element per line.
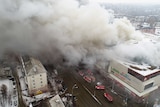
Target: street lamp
<point>73,87</point>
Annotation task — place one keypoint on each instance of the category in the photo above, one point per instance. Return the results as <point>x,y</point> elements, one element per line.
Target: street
<point>86,94</point>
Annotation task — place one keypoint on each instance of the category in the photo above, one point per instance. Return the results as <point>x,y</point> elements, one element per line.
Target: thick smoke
<point>65,29</point>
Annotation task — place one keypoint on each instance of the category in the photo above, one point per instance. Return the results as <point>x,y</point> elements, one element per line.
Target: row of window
<point>41,86</point>
<point>33,81</point>
<point>39,75</point>
<point>40,82</point>
<point>148,86</point>
<point>34,86</point>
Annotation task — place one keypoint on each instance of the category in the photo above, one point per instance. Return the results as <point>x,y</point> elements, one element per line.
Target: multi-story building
<point>139,79</point>
<point>36,77</point>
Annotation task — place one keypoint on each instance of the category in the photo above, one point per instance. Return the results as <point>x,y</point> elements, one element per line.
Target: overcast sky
<point>127,1</point>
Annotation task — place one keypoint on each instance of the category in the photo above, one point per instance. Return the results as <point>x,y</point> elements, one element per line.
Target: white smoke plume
<point>52,29</point>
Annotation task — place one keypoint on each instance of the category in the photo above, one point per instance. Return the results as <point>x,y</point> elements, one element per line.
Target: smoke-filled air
<point>68,29</point>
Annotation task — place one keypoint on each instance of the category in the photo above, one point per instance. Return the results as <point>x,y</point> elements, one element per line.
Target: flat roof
<point>56,102</point>
<point>142,69</point>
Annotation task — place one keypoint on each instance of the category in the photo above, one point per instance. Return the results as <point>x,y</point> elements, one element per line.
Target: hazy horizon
<point>141,2</point>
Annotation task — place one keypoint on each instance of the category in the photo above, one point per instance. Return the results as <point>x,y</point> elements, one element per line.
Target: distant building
<point>36,77</point>
<point>137,25</point>
<point>145,25</point>
<point>139,79</point>
<point>148,30</point>
<point>140,19</point>
<point>5,72</point>
<point>157,29</point>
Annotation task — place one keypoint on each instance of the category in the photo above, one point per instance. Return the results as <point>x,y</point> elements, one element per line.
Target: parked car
<point>108,96</point>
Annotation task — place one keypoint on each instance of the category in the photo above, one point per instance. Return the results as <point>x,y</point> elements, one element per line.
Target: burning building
<point>140,79</point>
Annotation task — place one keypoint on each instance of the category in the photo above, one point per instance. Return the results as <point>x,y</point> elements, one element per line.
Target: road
<point>86,91</point>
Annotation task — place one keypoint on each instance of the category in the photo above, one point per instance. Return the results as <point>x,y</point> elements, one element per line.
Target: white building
<point>139,79</point>
<point>56,102</point>
<point>36,77</point>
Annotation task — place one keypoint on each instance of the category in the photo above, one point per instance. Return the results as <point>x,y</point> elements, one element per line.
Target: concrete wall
<point>121,72</point>
<point>37,82</point>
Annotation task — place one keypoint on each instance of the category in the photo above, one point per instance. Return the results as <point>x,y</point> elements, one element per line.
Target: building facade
<point>36,77</point>
<point>5,72</point>
<point>139,79</point>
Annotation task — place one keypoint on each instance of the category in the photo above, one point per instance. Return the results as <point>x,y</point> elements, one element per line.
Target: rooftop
<point>142,69</point>
<point>34,66</point>
<point>56,102</point>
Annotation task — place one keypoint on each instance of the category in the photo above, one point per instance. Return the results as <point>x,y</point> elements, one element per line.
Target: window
<point>40,75</point>
<point>148,86</point>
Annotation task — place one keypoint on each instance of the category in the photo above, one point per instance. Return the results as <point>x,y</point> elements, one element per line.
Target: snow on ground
<point>42,96</point>
<point>22,79</point>
<point>8,83</point>
<point>11,99</point>
<point>23,84</point>
<point>24,88</point>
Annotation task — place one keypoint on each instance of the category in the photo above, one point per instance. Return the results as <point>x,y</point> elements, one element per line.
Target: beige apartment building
<point>139,79</point>
<point>36,77</point>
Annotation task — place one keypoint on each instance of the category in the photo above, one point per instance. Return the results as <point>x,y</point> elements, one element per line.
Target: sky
<point>127,1</point>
